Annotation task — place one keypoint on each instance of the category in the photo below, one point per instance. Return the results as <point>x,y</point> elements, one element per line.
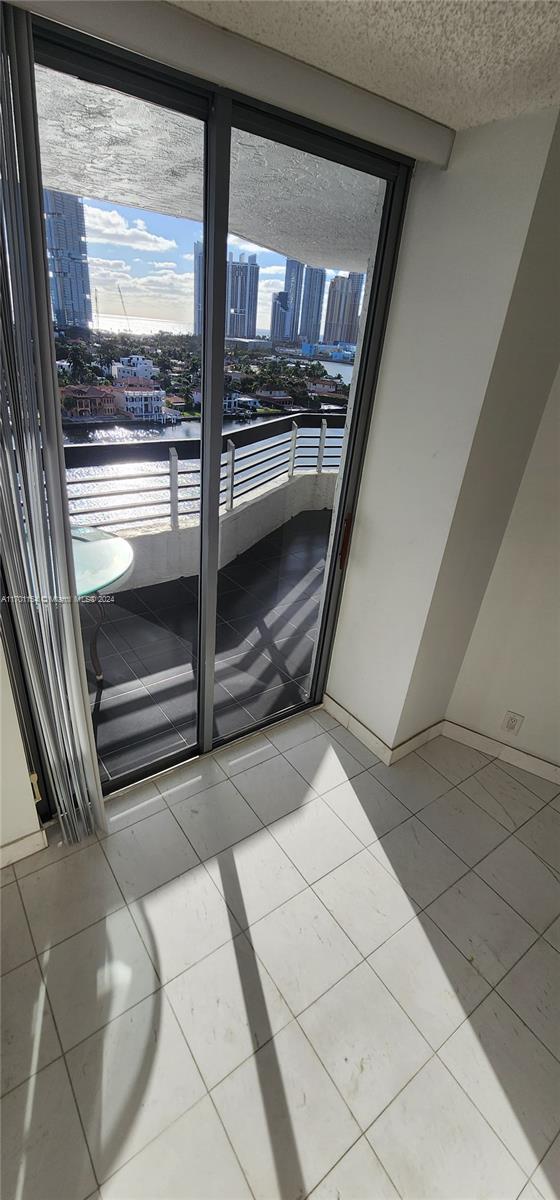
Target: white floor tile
<point>183,921</point>
<point>148,854</point>
<point>216,818</point>
<point>273,789</point>
<point>536,783</point>
<point>190,778</point>
<point>436,1145</point>
<point>286,1121</point>
<point>452,759</point>
<point>29,1041</point>
<point>227,1006</point>
<point>501,796</point>
<point>512,1079</point>
<point>367,1043</point>
<point>542,835</point>
<point>463,826</point>
<point>303,948</point>
<point>16,946</point>
<point>293,732</point>
<point>552,934</point>
<point>429,977</point>
<point>525,881</point>
<point>358,1176</point>
<point>368,903</point>
<point>248,752</point>
<point>546,1179</point>
<point>314,839</point>
<point>254,877</point>
<point>96,975</point>
<point>69,895</point>
<point>412,780</point>
<point>192,1159</point>
<point>56,849</point>
<point>365,757</point>
<point>323,762</point>
<point>325,719</point>
<point>486,930</point>
<point>44,1155</point>
<point>530,1193</point>
<point>418,860</point>
<point>131,1080</point>
<point>532,989</point>
<point>366,807</point>
<point>142,800</point>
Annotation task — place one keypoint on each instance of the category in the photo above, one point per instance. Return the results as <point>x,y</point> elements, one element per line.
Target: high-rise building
<point>279,315</point>
<point>341,323</point>
<point>293,282</point>
<point>242,288</point>
<point>67,257</point>
<point>312,304</point>
<point>198,321</point>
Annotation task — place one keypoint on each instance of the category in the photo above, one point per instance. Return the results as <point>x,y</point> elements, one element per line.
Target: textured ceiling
<point>460,63</point>
<point>126,151</point>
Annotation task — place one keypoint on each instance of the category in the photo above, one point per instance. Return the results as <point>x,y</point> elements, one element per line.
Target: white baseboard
<point>22,847</point>
<point>469,737</point>
<point>491,746</point>
<point>387,754</point>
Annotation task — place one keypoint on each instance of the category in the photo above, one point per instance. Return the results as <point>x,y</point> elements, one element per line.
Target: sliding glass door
<point>124,223</point>
<point>220,277</point>
<point>302,238</point>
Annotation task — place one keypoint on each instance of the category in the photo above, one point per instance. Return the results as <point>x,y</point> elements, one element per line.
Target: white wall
<point>462,246</point>
<point>513,657</point>
<point>19,826</point>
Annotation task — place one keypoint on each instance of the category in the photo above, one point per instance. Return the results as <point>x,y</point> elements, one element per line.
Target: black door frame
<point>76,54</point>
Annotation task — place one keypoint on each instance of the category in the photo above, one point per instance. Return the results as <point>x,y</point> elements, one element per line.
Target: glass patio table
<point>101,559</point>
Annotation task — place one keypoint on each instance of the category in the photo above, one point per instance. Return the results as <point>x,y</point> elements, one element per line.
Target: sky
<point>150,256</point>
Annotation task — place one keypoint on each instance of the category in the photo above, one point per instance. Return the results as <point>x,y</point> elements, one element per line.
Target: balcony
<point>277,490</point>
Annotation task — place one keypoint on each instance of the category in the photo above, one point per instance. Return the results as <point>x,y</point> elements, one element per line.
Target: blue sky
<point>150,256</point>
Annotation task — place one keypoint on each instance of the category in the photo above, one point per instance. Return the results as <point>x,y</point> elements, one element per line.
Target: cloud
<point>273,269</point>
<point>163,294</point>
<point>267,287</point>
<point>237,243</point>
<point>188,257</point>
<point>159,266</point>
<point>110,228</point>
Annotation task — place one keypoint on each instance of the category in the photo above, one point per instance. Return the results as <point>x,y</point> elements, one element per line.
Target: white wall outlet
<point>512,722</point>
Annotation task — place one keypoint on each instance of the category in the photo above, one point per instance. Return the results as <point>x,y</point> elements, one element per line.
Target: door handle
<point>345,541</point>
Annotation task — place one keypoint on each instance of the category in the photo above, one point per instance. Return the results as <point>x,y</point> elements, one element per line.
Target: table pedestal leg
<point>93,643</point>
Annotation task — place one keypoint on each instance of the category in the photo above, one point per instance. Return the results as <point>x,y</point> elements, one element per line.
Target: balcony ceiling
<point>107,146</point>
<point>459,63</point>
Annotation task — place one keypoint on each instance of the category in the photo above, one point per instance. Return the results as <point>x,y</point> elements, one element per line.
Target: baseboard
<point>497,749</point>
<point>459,733</point>
<point>22,847</point>
<point>387,754</point>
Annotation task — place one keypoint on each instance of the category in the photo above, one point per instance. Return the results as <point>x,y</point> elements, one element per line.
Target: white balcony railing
<point>138,485</point>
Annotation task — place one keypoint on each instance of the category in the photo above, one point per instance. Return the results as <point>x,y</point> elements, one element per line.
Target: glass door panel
<point>124,210</point>
<point>302,242</point>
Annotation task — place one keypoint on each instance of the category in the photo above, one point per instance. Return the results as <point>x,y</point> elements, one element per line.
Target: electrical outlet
<point>512,722</point>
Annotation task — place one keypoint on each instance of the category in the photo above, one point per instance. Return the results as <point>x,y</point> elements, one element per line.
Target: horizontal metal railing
<point>135,484</point>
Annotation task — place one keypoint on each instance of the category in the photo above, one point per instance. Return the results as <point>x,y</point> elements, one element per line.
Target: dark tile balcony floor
<point>268,603</point>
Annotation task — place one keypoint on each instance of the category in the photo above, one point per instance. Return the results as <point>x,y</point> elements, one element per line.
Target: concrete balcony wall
<point>166,553</point>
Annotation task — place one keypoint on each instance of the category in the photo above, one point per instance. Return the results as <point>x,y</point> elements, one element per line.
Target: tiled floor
<point>268,602</point>
<point>290,970</point>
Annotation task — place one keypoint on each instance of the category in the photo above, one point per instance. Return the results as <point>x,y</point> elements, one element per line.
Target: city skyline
<point>151,258</point>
